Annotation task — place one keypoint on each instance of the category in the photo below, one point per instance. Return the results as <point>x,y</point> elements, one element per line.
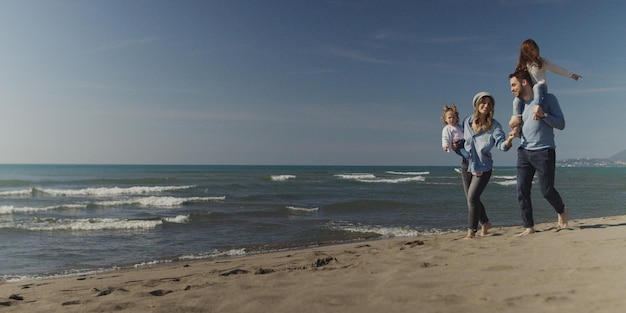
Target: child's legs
<point>539,90</point>
<point>518,106</point>
<point>516,118</point>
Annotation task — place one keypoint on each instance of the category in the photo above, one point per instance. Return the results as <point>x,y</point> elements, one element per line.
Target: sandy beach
<point>579,269</point>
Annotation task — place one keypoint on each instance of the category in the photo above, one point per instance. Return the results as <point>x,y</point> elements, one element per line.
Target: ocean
<point>62,220</point>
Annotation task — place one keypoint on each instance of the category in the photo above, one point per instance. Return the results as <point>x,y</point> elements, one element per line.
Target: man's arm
<point>551,112</point>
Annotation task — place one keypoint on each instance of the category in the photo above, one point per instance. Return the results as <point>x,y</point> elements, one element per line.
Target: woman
<point>481,133</point>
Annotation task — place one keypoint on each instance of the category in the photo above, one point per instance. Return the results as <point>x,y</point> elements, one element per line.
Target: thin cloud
<point>356,56</point>
<point>592,90</point>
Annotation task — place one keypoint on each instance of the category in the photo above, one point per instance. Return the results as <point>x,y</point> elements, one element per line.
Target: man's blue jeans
<point>541,162</point>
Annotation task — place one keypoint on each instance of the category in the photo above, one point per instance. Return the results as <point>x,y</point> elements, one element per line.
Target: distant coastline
<point>589,162</point>
<point>618,160</point>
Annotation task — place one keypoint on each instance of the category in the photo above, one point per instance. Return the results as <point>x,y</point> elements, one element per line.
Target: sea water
<point>58,220</point>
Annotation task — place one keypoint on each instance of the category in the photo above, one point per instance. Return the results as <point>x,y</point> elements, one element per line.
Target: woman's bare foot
<point>470,234</point>
<point>528,231</point>
<point>562,222</point>
<point>485,228</point>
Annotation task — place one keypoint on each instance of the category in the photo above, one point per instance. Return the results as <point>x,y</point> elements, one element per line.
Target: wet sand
<point>578,269</point>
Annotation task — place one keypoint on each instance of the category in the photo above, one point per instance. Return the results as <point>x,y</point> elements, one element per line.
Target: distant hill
<point>620,157</point>
<point>618,160</point>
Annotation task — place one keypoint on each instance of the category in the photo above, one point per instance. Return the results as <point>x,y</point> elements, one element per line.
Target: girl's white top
<point>450,134</point>
<point>538,75</point>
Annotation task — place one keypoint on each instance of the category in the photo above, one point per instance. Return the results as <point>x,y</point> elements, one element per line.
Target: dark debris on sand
<point>324,261</point>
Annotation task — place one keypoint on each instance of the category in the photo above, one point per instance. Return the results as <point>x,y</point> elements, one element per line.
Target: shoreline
<point>190,258</point>
<point>579,269</point>
<point>217,257</point>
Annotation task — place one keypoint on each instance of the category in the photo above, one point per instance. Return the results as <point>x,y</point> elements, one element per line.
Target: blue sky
<point>334,82</point>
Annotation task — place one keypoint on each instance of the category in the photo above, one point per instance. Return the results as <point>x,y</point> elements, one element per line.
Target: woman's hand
<point>509,140</point>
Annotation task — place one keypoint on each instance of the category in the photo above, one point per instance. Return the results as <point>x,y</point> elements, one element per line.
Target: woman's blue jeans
<point>474,187</point>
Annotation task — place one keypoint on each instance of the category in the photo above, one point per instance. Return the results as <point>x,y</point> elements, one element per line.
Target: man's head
<point>521,84</point>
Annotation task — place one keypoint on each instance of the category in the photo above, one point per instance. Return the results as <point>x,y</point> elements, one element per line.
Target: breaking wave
<point>282,177</point>
<point>386,232</point>
<point>371,178</point>
<point>300,209</point>
<point>158,201</point>
<point>91,224</point>
<point>108,191</point>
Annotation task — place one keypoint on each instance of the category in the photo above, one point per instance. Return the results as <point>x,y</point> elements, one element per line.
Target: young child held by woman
<point>452,133</point>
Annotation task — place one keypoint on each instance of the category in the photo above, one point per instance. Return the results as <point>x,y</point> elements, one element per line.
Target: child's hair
<point>449,108</point>
<point>528,54</point>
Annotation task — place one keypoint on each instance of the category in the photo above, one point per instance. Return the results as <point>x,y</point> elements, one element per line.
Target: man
<point>536,153</point>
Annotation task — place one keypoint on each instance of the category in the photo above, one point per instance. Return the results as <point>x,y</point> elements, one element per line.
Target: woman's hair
<point>449,108</point>
<point>477,124</point>
<point>528,54</point>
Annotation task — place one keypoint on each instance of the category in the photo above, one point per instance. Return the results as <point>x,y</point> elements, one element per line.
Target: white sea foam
<point>151,263</point>
<point>407,173</point>
<point>385,231</point>
<point>235,252</point>
<point>214,254</point>
<point>505,177</point>
<point>90,224</point>
<point>180,219</point>
<point>300,209</point>
<point>67,273</point>
<point>395,180</point>
<point>282,177</point>
<point>356,176</point>
<point>112,191</point>
<point>158,201</point>
<point>506,182</point>
<point>12,193</point>
<point>9,209</point>
<point>371,178</point>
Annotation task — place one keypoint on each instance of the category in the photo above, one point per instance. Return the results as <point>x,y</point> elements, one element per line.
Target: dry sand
<point>579,269</point>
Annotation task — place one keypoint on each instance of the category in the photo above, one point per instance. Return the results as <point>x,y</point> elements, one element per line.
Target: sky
<point>292,82</point>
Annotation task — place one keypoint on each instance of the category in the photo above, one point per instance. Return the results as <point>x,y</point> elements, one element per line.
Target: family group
<point>536,113</point>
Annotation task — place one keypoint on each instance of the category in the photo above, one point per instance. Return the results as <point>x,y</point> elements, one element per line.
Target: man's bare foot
<point>470,234</point>
<point>563,218</point>
<point>485,228</point>
<point>528,231</point>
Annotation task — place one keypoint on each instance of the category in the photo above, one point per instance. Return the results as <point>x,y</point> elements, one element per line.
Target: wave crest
<point>158,201</point>
<point>300,209</point>
<point>87,224</point>
<point>386,232</point>
<point>282,177</point>
<point>371,178</point>
<point>109,191</point>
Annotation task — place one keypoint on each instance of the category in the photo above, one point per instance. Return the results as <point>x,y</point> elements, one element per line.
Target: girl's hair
<point>528,54</point>
<point>449,108</point>
<point>477,124</point>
